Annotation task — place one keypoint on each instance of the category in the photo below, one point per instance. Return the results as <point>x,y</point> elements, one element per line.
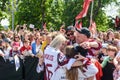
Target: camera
<point>21,27</point>
<point>37,29</point>
<point>80,50</point>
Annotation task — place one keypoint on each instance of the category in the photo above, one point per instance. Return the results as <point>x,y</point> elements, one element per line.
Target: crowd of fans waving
<point>67,54</point>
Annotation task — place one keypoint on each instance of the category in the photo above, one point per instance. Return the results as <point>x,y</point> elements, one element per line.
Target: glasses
<point>70,34</point>
<point>16,37</point>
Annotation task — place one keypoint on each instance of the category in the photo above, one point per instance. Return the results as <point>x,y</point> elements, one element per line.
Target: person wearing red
<point>91,46</point>
<point>83,38</point>
<point>26,47</point>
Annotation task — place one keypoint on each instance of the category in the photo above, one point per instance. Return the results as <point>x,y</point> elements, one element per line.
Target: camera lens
<point>21,27</point>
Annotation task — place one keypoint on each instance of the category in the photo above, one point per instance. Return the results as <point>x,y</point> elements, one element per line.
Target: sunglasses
<point>70,34</point>
<point>16,37</point>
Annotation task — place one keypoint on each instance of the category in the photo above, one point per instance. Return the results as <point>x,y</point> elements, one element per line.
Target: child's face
<point>15,48</point>
<point>26,44</point>
<point>111,53</point>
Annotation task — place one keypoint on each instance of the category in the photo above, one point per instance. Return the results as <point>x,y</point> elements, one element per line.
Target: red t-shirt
<point>25,48</point>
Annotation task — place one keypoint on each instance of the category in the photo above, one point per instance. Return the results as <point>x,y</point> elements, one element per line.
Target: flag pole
<point>13,15</point>
<point>91,12</point>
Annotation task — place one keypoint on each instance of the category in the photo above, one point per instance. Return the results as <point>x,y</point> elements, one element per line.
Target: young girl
<point>17,40</point>
<point>83,72</point>
<point>54,57</point>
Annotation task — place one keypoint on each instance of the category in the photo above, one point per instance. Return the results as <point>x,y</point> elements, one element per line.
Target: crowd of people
<point>67,54</point>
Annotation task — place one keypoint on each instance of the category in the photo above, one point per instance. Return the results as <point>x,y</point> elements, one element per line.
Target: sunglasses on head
<point>70,34</point>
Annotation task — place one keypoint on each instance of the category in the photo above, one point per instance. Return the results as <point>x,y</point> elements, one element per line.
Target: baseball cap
<point>80,49</point>
<point>84,31</point>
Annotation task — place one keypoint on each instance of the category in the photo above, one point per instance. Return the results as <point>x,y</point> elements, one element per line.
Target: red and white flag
<point>92,28</point>
<point>117,21</point>
<point>84,11</point>
<point>44,26</point>
<point>78,25</point>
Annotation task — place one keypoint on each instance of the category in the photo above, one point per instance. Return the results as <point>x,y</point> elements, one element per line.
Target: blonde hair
<point>117,35</point>
<point>58,40</point>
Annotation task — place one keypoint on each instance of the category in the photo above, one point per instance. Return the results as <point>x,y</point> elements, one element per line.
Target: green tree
<point>30,12</point>
<point>39,12</point>
<point>3,13</point>
<point>99,15</point>
<point>72,8</point>
<point>55,12</point>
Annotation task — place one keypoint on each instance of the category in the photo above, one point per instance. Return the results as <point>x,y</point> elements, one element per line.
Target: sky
<point>112,10</point>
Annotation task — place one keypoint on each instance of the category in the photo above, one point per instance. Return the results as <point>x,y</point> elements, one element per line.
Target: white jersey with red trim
<point>89,71</point>
<point>51,60</point>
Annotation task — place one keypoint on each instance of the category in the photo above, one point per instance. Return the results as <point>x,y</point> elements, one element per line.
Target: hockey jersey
<point>52,59</point>
<point>90,70</point>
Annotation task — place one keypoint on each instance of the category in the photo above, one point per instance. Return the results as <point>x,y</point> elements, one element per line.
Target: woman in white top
<point>86,71</point>
<point>53,57</point>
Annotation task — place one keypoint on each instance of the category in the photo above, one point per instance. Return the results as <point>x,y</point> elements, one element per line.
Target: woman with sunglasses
<point>70,35</point>
<point>17,39</point>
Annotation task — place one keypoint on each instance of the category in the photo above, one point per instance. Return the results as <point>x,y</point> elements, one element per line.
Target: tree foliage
<point>55,12</point>
<point>29,11</point>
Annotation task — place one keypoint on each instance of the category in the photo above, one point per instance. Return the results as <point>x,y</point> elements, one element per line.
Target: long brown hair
<point>16,35</point>
<point>71,74</point>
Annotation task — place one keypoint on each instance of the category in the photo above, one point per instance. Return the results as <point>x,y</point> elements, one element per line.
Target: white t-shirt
<point>60,73</point>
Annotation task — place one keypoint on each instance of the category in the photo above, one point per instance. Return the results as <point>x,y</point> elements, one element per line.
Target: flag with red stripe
<point>78,25</point>
<point>92,28</point>
<point>44,26</point>
<point>84,11</point>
